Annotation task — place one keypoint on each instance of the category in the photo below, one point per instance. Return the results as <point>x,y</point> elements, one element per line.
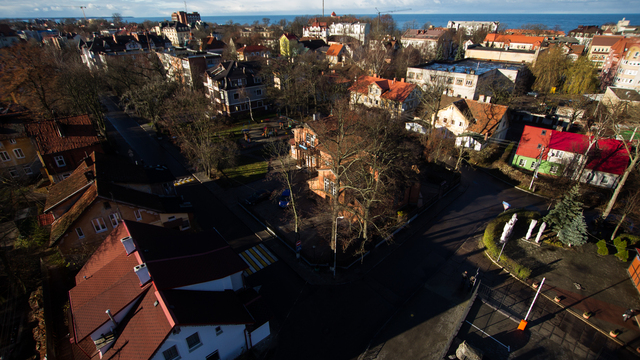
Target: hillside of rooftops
<point>466,66</point>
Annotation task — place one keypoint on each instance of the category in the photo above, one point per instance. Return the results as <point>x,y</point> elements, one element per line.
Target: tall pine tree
<point>460,53</point>
<point>566,219</point>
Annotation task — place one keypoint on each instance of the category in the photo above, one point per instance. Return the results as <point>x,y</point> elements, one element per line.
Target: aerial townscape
<point>327,187</point>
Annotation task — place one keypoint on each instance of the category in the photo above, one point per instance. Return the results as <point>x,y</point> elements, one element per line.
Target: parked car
<point>258,196</point>
<point>284,199</point>
<point>533,93</point>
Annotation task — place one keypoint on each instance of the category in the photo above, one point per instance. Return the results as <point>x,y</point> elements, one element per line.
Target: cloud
<point>110,7</point>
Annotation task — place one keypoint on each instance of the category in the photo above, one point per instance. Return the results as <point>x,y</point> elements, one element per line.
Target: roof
<point>608,155</point>
<point>509,39</point>
<point>391,89</point>
<point>626,94</point>
<point>604,40</point>
<point>56,136</point>
<point>423,34</point>
<point>108,281</point>
<point>211,43</point>
<point>590,29</point>
<point>468,65</point>
<point>487,116</point>
<point>5,30</point>
<point>252,48</point>
<point>228,70</point>
<point>335,49</point>
<point>290,36</point>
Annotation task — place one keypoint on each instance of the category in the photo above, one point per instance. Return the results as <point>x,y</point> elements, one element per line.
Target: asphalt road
<point>339,321</point>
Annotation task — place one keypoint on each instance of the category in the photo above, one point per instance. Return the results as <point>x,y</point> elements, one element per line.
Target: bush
<point>603,249</point>
<point>630,239</point>
<point>623,255</point>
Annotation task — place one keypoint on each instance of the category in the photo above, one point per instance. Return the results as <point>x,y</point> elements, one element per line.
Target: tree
<point>550,70</point>
<point>460,53</point>
<point>430,98</point>
<point>574,233</point>
<point>582,77</point>
<point>630,205</point>
<point>563,214</point>
<point>266,21</point>
<point>149,99</point>
<point>117,19</point>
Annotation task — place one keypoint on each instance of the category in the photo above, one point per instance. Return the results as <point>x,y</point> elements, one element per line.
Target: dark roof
<point>5,30</point>
<point>119,169</point>
<point>626,94</point>
<point>56,136</point>
<point>313,44</point>
<point>222,307</point>
<point>233,70</point>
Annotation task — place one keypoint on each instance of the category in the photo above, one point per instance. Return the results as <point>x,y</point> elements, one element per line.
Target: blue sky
<point>164,8</point>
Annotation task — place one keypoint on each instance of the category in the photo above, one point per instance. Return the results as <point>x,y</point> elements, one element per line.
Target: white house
<point>155,293</point>
<point>357,30</point>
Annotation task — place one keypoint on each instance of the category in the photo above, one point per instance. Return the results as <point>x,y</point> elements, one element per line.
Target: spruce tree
<point>574,234</point>
<point>440,53</point>
<point>565,211</point>
<point>460,53</point>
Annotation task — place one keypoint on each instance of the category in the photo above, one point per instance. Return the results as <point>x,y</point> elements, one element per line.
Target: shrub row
<point>492,235</point>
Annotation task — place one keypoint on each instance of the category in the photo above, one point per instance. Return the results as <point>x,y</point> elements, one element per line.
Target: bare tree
<point>430,98</point>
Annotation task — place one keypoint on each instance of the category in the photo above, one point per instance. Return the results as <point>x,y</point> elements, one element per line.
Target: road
<point>341,321</point>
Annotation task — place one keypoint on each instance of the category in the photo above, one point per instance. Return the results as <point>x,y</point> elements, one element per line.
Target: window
<point>137,214</point>
<point>107,205</point>
<point>193,342</point>
<point>80,233</point>
<point>450,80</point>
<point>544,132</point>
<point>213,356</point>
<point>460,123</point>
<point>13,173</point>
<point>172,217</point>
<point>469,82</point>
<point>459,81</point>
<point>604,180</point>
<point>19,154</point>
<point>329,187</point>
<point>114,218</point>
<point>259,92</point>
<point>99,225</point>
<point>539,146</point>
<point>522,162</point>
<point>554,169</point>
<point>4,156</point>
<point>59,161</point>
<point>27,170</point>
<point>236,96</point>
<point>257,80</point>
<point>259,104</point>
<point>218,330</point>
<point>12,141</point>
<point>533,164</point>
<point>171,353</point>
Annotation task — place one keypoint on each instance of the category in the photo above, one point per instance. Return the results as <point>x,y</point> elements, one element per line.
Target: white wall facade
<point>230,343</point>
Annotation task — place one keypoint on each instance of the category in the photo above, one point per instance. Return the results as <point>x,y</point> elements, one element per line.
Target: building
<point>428,40</point>
<point>290,45</point>
<point>600,48</point>
<point>177,32</point>
<point>627,71</point>
<point>212,44</point>
<point>317,30</point>
<point>467,79</point>
<point>563,154</point>
<point>502,55</point>
<point>248,52</point>
<point>62,144</point>
<point>335,53</point>
<point>397,96</point>
<point>185,18</point>
<point>8,37</point>
<point>585,33</point>
<point>473,122</point>
<point>95,53</point>
<point>614,97</point>
<point>513,42</point>
<point>236,87</point>
<point>357,30</point>
<point>189,66</point>
<point>469,27</point>
<point>155,293</point>
<point>101,192</point>
<point>547,33</point>
<point>18,154</point>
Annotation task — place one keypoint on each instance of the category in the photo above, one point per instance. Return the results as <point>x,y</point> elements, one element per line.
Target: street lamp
<point>335,244</point>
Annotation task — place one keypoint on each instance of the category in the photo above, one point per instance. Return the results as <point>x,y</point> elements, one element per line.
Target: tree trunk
<point>612,201</point>
<point>615,231</point>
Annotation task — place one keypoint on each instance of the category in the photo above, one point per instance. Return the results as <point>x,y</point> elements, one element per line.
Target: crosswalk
<point>257,258</point>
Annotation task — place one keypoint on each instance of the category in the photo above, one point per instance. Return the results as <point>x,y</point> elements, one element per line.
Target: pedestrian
<point>472,281</point>
<point>465,276</point>
<point>628,314</point>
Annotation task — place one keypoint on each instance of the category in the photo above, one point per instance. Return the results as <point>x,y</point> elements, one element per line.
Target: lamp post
<point>335,244</point>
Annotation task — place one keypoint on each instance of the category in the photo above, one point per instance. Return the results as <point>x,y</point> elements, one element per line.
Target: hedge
<point>603,249</point>
<point>631,239</point>
<point>493,232</point>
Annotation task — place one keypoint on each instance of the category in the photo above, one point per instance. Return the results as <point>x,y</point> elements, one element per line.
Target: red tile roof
<point>334,49</point>
<point>290,36</point>
<point>531,138</point>
<point>604,40</point>
<point>609,156</point>
<point>55,136</point>
<point>519,39</point>
<point>391,89</point>
<point>252,48</point>
<point>484,118</point>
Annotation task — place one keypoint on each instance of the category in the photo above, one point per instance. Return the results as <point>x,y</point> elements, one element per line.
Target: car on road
<point>284,199</point>
<point>258,196</point>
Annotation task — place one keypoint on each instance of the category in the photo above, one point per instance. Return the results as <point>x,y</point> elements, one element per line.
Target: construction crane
<point>83,14</point>
<point>387,12</point>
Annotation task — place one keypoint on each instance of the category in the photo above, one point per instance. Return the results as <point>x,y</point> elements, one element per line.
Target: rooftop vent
<point>128,244</point>
<point>143,273</point>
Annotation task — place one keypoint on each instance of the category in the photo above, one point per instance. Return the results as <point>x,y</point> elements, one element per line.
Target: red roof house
<point>143,295</point>
<point>396,95</point>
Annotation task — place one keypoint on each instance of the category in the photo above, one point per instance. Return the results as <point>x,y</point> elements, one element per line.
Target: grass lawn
<point>248,170</point>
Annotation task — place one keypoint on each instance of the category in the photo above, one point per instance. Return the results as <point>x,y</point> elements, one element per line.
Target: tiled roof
<point>487,116</point>
<point>290,36</point>
<point>508,39</point>
<point>77,132</point>
<point>423,34</point>
<point>252,48</point>
<point>391,89</point>
<point>531,138</point>
<point>602,40</point>
<point>609,156</point>
<point>569,142</point>
<point>334,49</point>
<point>63,223</point>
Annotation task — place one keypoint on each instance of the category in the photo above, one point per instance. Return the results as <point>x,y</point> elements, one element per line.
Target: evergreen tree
<point>574,234</point>
<point>440,53</point>
<point>564,212</point>
<point>460,53</point>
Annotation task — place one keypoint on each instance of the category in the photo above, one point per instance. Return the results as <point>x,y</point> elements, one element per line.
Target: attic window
<point>544,132</point>
<point>107,205</point>
<point>218,330</point>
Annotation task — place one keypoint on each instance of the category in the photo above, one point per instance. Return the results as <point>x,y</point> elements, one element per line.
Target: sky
<point>164,8</point>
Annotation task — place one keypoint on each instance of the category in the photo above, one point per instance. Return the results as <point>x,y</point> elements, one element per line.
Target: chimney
<point>394,81</point>
<point>487,99</point>
<point>115,324</point>
<point>59,128</point>
<point>402,80</point>
<point>143,273</point>
<point>89,175</point>
<point>128,244</point>
<point>481,98</point>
